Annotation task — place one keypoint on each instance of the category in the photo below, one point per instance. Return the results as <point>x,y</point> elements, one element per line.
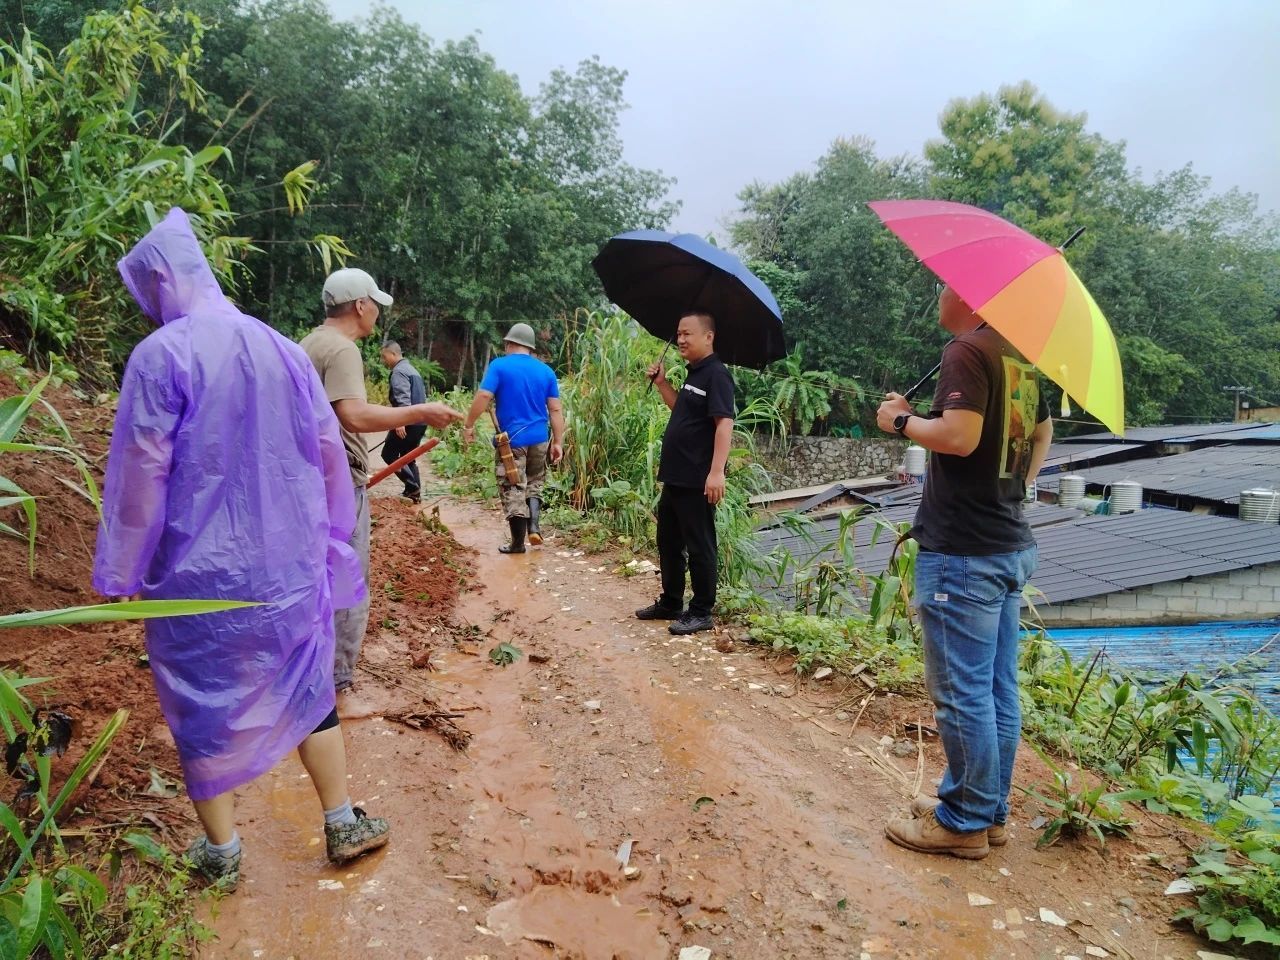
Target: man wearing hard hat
<point>526,396</point>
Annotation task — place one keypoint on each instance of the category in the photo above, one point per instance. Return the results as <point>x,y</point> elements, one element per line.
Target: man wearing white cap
<point>351,307</point>
<point>526,394</point>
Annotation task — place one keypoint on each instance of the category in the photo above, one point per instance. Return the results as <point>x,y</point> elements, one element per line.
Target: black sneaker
<point>658,611</point>
<point>691,623</point>
<point>346,841</point>
<point>221,872</point>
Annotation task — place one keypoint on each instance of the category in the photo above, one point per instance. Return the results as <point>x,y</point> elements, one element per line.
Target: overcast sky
<point>723,93</point>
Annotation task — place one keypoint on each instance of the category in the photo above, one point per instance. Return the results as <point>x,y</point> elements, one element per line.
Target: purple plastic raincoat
<point>226,480</point>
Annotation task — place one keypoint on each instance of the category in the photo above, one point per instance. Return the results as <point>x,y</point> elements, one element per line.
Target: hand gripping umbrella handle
<point>661,357</point>
<point>910,394</point>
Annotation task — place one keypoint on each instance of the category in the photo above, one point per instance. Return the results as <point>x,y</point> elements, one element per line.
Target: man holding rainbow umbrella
<point>1010,301</point>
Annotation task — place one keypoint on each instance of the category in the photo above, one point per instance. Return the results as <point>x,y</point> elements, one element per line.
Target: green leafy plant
<point>505,654</point>
<point>802,394</point>
<point>846,644</point>
<point>1137,730</point>
<point>33,912</point>
<point>14,413</point>
<point>1238,883</point>
<point>155,915</point>
<point>1073,812</point>
<point>85,164</point>
<point>111,612</point>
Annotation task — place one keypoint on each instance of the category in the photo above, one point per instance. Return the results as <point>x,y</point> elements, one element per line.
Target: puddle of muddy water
<point>602,926</point>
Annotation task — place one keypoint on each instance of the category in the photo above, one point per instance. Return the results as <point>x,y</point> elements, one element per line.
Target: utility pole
<point>1239,392</point>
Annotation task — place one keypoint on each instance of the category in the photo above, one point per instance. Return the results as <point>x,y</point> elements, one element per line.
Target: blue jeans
<point>969,611</point>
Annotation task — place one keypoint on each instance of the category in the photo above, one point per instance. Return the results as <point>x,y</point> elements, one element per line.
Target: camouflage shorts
<point>531,464</point>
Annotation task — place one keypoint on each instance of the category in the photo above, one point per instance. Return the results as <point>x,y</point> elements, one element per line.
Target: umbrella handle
<point>911,393</point>
<point>661,357</point>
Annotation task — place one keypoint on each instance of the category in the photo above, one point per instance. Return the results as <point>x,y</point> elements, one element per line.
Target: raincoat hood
<point>167,273</point>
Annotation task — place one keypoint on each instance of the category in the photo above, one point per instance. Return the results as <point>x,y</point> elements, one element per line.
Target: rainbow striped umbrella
<point>1022,287</point>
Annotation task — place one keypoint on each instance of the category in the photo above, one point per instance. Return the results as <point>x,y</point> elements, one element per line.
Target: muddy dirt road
<point>754,816</point>
<point>754,803</point>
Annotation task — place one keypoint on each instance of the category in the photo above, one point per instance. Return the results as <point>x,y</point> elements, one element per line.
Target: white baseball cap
<point>351,283</point>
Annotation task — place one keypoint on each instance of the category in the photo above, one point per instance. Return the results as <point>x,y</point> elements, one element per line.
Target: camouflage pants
<point>531,465</point>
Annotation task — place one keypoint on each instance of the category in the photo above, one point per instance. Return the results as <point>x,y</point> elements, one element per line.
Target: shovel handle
<point>391,468</point>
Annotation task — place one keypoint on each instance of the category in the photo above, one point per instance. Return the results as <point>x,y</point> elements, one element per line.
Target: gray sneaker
<point>346,841</point>
<point>221,872</point>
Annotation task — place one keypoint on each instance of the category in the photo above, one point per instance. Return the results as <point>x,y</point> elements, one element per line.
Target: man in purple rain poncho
<point>227,479</point>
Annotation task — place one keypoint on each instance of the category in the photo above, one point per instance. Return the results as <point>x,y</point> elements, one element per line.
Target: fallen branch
<point>816,722</point>
<point>890,771</point>
<point>866,702</point>
<point>439,722</point>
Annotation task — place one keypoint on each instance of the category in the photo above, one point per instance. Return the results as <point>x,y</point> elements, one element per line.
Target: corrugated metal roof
<point>1167,433</point>
<point>1066,454</point>
<point>1081,556</point>
<point>1212,473</point>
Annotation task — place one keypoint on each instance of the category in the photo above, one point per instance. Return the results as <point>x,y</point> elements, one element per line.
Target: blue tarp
<point>1201,648</point>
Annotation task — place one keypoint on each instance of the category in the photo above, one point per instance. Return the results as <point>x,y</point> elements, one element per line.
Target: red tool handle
<point>391,468</point>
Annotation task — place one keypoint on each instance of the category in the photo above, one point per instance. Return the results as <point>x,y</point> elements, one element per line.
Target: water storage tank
<point>1126,496</point>
<point>913,461</point>
<point>1070,490</point>
<point>1260,506</point>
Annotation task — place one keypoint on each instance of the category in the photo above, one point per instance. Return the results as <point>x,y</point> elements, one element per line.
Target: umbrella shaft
<point>910,394</point>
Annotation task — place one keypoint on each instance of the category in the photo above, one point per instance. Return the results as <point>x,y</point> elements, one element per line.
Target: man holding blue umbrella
<point>695,449</point>
<point>686,291</point>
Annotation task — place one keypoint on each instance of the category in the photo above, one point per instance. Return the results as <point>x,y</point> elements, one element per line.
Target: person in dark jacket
<point>406,388</point>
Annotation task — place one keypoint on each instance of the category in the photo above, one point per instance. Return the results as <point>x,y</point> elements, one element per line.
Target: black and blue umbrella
<point>658,277</point>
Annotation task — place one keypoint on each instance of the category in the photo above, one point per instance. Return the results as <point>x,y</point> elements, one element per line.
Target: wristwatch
<point>900,423</point>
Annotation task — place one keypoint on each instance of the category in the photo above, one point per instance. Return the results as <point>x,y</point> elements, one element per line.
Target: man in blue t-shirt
<point>527,395</point>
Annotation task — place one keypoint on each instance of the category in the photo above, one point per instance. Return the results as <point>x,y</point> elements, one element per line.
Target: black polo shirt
<point>688,444</point>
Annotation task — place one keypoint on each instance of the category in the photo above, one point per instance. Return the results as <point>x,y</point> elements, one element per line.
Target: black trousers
<point>687,529</point>
<point>393,448</point>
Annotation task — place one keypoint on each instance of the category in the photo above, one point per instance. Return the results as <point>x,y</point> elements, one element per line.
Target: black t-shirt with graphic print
<point>972,505</point>
<point>689,442</point>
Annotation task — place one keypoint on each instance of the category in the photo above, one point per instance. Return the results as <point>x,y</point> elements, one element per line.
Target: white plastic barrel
<point>1070,489</point>
<point>1126,496</point>
<point>1260,506</point>
<point>913,461</point>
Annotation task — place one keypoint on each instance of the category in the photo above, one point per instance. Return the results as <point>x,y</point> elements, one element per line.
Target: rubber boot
<point>517,525</point>
<point>535,530</point>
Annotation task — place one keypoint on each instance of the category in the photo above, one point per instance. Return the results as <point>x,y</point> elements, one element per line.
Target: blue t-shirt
<point>522,385</point>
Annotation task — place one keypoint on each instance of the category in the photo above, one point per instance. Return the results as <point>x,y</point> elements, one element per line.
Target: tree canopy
<point>475,203</point>
<point>1189,279</point>
<point>299,141</point>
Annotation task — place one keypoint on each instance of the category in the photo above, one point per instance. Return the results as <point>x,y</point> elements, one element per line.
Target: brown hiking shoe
<point>997,835</point>
<point>221,872</point>
<point>346,841</point>
<point>925,834</point>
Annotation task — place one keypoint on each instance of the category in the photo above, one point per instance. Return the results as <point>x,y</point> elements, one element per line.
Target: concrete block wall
<point>1252,593</point>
